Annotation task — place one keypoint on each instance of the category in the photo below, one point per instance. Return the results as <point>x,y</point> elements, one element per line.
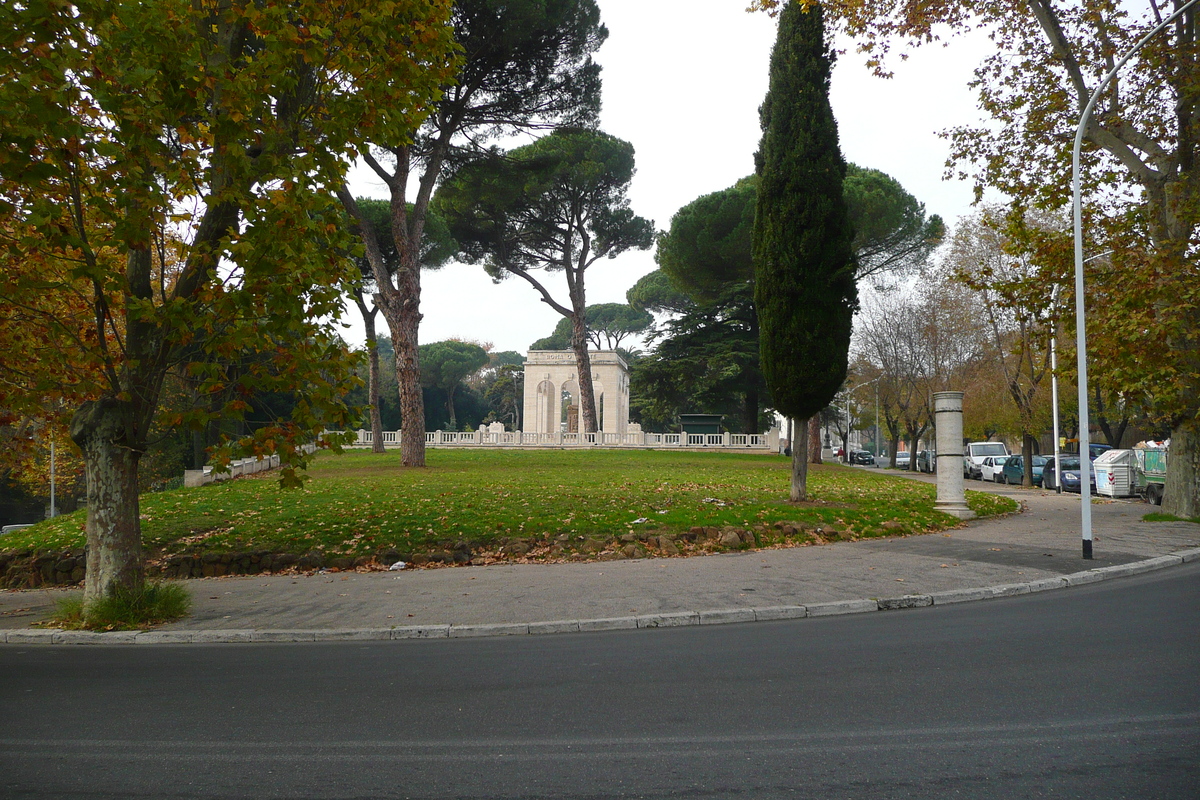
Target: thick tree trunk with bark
<point>403,314</point>
<point>399,295</point>
<point>404,319</point>
<point>583,361</point>
<point>799,487</point>
<point>814,440</point>
<point>1181,495</point>
<point>114,532</point>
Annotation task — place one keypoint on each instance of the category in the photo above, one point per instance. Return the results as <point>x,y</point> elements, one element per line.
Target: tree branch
<point>546,298</point>
<point>383,281</point>
<point>1061,48</point>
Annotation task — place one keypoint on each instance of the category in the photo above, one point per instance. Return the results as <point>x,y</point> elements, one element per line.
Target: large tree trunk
<point>1027,459</point>
<point>1181,495</point>
<point>587,394</point>
<point>814,440</point>
<point>404,323</point>
<point>372,372</point>
<point>373,389</point>
<point>450,408</point>
<point>114,532</point>
<point>750,411</point>
<point>400,301</point>
<point>799,488</point>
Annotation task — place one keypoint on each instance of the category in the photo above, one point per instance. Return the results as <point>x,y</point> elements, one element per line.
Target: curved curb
<point>664,620</point>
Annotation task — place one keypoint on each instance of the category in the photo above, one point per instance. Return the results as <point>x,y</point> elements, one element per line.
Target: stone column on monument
<point>947,409</point>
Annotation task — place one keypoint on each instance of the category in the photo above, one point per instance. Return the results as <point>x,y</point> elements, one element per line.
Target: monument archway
<point>545,414</point>
<point>548,373</point>
<point>568,416</point>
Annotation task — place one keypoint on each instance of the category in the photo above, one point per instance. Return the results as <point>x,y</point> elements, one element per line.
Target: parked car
<point>11,528</point>
<point>1013,470</point>
<point>902,460</point>
<point>1070,473</point>
<point>863,457</point>
<point>1098,449</point>
<point>927,461</point>
<point>990,467</point>
<point>976,452</point>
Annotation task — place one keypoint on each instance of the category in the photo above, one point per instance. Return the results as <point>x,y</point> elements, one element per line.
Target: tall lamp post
<point>1054,388</point>
<point>1054,380</point>
<point>850,392</point>
<point>1085,445</point>
<point>53,509</point>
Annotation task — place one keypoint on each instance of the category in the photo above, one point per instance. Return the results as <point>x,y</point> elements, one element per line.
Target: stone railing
<point>238,468</point>
<point>768,441</point>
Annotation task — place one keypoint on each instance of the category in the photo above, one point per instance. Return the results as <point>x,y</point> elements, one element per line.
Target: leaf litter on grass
<point>360,504</point>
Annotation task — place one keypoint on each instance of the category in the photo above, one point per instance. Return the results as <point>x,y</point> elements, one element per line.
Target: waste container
<point>1114,473</point>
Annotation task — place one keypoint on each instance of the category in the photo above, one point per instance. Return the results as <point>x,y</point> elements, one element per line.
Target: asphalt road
<point>1089,692</point>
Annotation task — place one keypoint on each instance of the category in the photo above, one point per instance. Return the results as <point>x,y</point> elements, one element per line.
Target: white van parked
<point>976,452</point>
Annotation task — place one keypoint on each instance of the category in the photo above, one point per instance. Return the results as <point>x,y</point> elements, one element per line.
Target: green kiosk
<point>700,423</point>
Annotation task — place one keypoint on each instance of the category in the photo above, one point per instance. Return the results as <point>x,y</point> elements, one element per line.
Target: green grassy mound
<point>525,504</point>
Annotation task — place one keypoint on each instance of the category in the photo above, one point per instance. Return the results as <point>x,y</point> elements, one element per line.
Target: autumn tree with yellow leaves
<point>209,135</point>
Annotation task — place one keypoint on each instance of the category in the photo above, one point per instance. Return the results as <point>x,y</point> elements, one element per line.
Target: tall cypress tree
<point>803,257</point>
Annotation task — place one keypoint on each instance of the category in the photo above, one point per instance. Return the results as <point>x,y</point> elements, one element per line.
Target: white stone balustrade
<point>768,441</point>
<point>242,466</point>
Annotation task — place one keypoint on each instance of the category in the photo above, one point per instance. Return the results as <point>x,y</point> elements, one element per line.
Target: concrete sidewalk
<point>1029,551</point>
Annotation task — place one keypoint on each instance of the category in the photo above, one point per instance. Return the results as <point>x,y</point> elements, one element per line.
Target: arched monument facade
<point>552,391</point>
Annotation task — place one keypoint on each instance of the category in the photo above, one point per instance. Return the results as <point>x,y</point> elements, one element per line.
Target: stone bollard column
<point>947,409</point>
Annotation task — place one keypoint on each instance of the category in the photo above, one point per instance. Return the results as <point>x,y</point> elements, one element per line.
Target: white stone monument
<point>552,389</point>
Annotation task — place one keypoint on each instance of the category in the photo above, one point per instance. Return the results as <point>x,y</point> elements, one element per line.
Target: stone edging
<point>664,620</point>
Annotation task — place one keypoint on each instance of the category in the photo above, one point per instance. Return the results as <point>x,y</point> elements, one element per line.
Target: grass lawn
<point>1160,517</point>
<point>361,504</point>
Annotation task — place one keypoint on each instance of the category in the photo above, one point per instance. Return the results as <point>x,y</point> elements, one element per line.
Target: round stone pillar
<point>947,409</point>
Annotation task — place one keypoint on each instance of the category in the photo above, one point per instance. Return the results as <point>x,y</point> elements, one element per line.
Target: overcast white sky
<point>683,80</point>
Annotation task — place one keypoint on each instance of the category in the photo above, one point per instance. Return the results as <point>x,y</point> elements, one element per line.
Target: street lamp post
<point>1085,446</point>
<point>1054,388</point>
<point>850,392</point>
<point>53,510</point>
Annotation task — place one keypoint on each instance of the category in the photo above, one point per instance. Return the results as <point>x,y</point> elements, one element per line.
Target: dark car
<point>1070,474</point>
<point>1014,470</point>
<point>863,457</point>
<point>927,461</point>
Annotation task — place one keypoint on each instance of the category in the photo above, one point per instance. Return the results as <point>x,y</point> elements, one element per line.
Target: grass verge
<point>1159,517</point>
<point>360,504</point>
<point>124,609</point>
